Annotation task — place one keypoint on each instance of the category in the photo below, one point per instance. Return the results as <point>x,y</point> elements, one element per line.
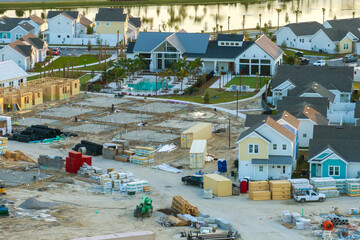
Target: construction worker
<point>9,107</point>
<point>214,229</point>
<point>15,122</point>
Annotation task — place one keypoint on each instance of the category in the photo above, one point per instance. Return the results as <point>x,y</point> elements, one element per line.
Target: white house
<point>40,46</point>
<point>228,53</point>
<point>12,29</point>
<point>268,149</point>
<point>11,74</point>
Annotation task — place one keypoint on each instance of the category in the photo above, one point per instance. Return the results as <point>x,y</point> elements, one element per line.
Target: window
<point>304,135</point>
<point>244,60</point>
<point>313,194</point>
<point>237,44</point>
<point>75,85</point>
<point>284,146</point>
<point>107,24</point>
<point>284,169</point>
<point>261,168</point>
<point>274,146</point>
<point>287,38</point>
<point>222,44</point>
<point>254,60</point>
<point>227,44</point>
<point>253,149</point>
<point>265,61</point>
<point>59,23</point>
<point>59,36</point>
<point>334,171</point>
<point>328,45</point>
<point>68,36</point>
<point>38,95</point>
<point>232,44</point>
<point>346,46</point>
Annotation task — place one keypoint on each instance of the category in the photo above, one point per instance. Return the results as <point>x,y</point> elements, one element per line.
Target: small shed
<point>201,131</point>
<point>220,186</point>
<point>198,152</point>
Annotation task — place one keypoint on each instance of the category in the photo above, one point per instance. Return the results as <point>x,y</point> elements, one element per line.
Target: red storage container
<point>72,165</point>
<point>87,160</point>
<point>243,186</point>
<point>75,155</point>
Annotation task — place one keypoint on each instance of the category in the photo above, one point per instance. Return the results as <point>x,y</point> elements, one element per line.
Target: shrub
<point>207,98</point>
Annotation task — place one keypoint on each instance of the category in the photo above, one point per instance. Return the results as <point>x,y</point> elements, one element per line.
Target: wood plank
<point>288,225</point>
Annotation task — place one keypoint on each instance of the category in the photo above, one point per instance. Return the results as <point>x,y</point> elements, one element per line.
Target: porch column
<point>203,67</point>
<point>267,170</point>
<point>215,63</point>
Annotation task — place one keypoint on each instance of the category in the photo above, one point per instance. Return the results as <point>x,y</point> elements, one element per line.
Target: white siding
<point>7,53</point>
<point>62,33</point>
<point>19,32</point>
<point>286,35</point>
<point>320,41</point>
<point>306,127</point>
<point>353,169</point>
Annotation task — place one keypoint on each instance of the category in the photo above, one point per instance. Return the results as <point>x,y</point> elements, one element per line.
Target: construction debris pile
<point>56,162</point>
<point>184,207</point>
<point>36,133</point>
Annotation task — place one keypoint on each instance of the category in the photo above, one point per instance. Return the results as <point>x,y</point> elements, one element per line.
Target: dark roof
<point>37,20</point>
<point>335,34</point>
<point>230,37</point>
<point>295,105</point>
<point>357,109</point>
<point>215,51</point>
<point>70,14</point>
<point>274,159</point>
<point>252,119</point>
<point>85,21</point>
<point>11,23</point>
<point>136,22</point>
<point>343,147</point>
<point>305,28</point>
<point>336,132</point>
<point>269,46</point>
<point>130,47</point>
<point>332,78</point>
<point>250,130</point>
<point>27,26</point>
<point>33,40</point>
<point>349,25</point>
<point>111,15</point>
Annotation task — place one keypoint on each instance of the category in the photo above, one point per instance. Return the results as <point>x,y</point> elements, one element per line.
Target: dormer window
<point>227,44</point>
<point>232,44</point>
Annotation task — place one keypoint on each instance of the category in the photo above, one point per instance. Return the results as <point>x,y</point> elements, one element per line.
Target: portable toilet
<point>222,165</point>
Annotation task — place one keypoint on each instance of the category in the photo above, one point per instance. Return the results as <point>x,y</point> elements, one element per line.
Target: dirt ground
<point>84,211</point>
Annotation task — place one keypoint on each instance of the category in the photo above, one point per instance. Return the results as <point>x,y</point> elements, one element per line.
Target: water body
<point>194,18</point>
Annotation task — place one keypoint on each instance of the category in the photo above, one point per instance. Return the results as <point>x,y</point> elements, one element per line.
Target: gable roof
<point>27,26</point>
<point>33,40</point>
<point>69,14</point>
<point>136,22</point>
<point>21,47</point>
<point>10,70</point>
<point>85,21</point>
<point>7,23</point>
<point>332,78</point>
<point>315,116</point>
<point>230,37</point>
<point>37,20</point>
<point>252,119</point>
<point>269,46</point>
<point>286,116</point>
<point>295,105</point>
<point>348,24</point>
<point>250,130</point>
<point>147,41</point>
<point>280,129</point>
<point>111,15</point>
<point>335,34</point>
<point>336,132</point>
<point>305,28</point>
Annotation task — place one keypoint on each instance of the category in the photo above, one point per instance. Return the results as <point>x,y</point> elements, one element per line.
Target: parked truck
<point>196,180</point>
<point>308,195</point>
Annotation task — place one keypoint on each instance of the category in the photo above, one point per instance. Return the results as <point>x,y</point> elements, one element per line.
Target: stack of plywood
<point>280,190</point>
<point>259,191</point>
<point>184,207</point>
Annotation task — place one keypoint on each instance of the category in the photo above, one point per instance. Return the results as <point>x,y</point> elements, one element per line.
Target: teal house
<point>334,152</point>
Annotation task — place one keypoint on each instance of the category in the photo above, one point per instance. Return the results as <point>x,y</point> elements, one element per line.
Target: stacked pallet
<point>326,185</point>
<point>353,187</point>
<point>3,145</point>
<point>299,183</point>
<point>184,207</point>
<point>280,190</point>
<point>341,185</point>
<point>259,191</point>
<point>143,155</point>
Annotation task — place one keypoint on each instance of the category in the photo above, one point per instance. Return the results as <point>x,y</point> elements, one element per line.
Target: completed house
<point>11,75</point>
<point>228,53</point>
<point>334,152</point>
<point>334,36</point>
<point>268,149</point>
<point>12,29</point>
<point>114,25</point>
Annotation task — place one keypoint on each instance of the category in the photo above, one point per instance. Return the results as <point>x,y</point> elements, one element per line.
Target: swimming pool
<point>149,84</point>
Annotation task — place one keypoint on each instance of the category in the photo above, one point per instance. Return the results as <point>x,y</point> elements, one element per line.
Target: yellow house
<point>346,46</point>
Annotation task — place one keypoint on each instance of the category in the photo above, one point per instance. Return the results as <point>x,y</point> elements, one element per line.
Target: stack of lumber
<point>184,207</point>
<point>280,190</point>
<point>259,191</point>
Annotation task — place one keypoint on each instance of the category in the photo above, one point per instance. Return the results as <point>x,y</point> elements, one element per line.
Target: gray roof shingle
<point>269,46</point>
<point>274,160</point>
<point>295,105</point>
<point>230,37</point>
<point>111,15</point>
<point>305,28</point>
<point>70,14</point>
<point>348,25</point>
<point>136,22</point>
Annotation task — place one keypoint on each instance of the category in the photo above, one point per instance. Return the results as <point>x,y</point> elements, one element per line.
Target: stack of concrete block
<point>49,162</point>
<point>280,190</point>
<point>259,191</point>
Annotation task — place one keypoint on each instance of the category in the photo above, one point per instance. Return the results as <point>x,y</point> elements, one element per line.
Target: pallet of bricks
<point>143,155</point>
<point>325,185</point>
<point>280,190</point>
<point>183,206</point>
<point>353,187</point>
<point>3,145</point>
<point>259,191</point>
<point>341,185</point>
<point>299,183</point>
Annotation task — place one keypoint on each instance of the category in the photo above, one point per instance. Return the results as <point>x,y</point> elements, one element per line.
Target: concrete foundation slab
<point>88,128</point>
<point>105,102</point>
<point>66,112</point>
<point>34,121</point>
<point>158,107</point>
<point>16,178</point>
<point>174,123</point>
<point>123,118</point>
<point>149,136</point>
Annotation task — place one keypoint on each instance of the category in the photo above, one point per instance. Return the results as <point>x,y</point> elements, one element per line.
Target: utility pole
<point>229,131</point>
<point>156,85</point>
<point>237,102</point>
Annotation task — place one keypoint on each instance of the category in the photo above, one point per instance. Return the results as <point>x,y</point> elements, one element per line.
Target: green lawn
<point>68,59</point>
<point>56,74</point>
<point>221,96</point>
<point>249,81</point>
<point>93,67</point>
<point>85,78</point>
<point>287,51</point>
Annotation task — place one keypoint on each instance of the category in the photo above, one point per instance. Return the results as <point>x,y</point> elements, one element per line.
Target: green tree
<point>323,11</point>
<point>278,10</point>
<point>207,97</point>
<point>89,30</point>
<point>89,46</point>
<point>180,69</point>
<point>297,12</point>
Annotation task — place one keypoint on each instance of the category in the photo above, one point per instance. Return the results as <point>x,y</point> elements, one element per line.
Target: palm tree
<point>243,23</point>
<point>278,12</point>
<point>260,24</point>
<point>297,12</point>
<point>353,13</point>
<point>221,27</point>
<point>228,23</point>
<point>286,18</point>
<point>323,11</point>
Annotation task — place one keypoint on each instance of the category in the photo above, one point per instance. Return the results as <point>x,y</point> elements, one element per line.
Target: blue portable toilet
<point>222,165</point>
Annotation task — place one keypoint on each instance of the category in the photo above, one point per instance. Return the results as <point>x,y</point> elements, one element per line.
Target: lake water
<point>203,17</point>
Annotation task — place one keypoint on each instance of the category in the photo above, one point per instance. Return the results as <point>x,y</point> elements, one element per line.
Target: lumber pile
<point>280,190</point>
<point>259,191</point>
<point>18,155</point>
<point>183,206</point>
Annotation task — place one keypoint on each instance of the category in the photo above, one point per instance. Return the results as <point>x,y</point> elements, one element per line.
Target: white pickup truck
<point>309,196</point>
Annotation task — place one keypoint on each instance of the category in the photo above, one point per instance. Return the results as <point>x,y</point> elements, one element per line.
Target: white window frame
<point>274,146</point>
<point>261,168</point>
<point>334,167</point>
<point>346,46</point>
<point>253,148</point>
<point>284,145</point>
